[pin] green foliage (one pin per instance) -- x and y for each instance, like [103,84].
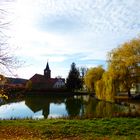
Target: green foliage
[74,81]
[92,76]
[73,106]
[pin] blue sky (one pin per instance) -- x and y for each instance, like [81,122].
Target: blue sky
[66,31]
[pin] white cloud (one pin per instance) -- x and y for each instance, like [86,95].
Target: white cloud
[98,15]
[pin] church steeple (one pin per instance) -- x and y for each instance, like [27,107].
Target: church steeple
[47,71]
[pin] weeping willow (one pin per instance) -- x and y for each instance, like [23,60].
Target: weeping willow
[105,88]
[92,76]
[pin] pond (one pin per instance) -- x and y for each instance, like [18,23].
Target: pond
[85,106]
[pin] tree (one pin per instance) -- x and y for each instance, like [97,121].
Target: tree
[7,60]
[83,71]
[92,76]
[73,81]
[2,91]
[124,64]
[2,80]
[28,85]
[105,88]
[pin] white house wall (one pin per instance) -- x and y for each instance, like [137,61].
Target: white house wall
[59,84]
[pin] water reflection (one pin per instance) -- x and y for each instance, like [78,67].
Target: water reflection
[73,106]
[63,106]
[94,108]
[37,104]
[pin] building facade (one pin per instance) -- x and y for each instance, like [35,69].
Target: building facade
[44,82]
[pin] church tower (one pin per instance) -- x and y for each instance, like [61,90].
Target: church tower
[47,71]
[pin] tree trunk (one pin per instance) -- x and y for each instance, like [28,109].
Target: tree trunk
[129,94]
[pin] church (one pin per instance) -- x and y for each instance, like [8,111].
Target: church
[45,82]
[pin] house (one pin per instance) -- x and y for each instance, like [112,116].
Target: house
[16,82]
[43,82]
[59,83]
[11,84]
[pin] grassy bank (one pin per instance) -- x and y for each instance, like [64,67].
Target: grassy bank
[106,129]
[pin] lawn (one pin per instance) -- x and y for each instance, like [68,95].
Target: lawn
[73,129]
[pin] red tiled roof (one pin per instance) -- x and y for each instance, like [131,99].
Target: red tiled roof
[41,78]
[37,78]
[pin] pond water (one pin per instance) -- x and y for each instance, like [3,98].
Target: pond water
[38,107]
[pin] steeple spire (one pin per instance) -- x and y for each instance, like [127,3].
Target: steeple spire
[47,66]
[47,71]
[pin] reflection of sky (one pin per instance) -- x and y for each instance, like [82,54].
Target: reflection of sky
[20,110]
[57,110]
[17,110]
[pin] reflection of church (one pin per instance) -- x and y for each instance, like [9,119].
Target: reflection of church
[40,103]
[45,81]
[36,105]
[73,105]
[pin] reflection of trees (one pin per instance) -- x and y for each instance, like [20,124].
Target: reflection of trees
[46,111]
[94,108]
[90,108]
[73,106]
[106,109]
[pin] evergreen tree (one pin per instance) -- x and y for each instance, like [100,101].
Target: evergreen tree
[73,81]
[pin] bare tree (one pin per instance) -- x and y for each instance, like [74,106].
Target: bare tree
[7,60]
[83,71]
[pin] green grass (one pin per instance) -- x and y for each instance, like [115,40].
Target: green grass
[107,129]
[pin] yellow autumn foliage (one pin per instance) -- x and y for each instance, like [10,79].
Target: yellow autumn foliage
[105,88]
[29,85]
[122,73]
[2,91]
[93,75]
[124,63]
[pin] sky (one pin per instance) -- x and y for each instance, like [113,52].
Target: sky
[66,31]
